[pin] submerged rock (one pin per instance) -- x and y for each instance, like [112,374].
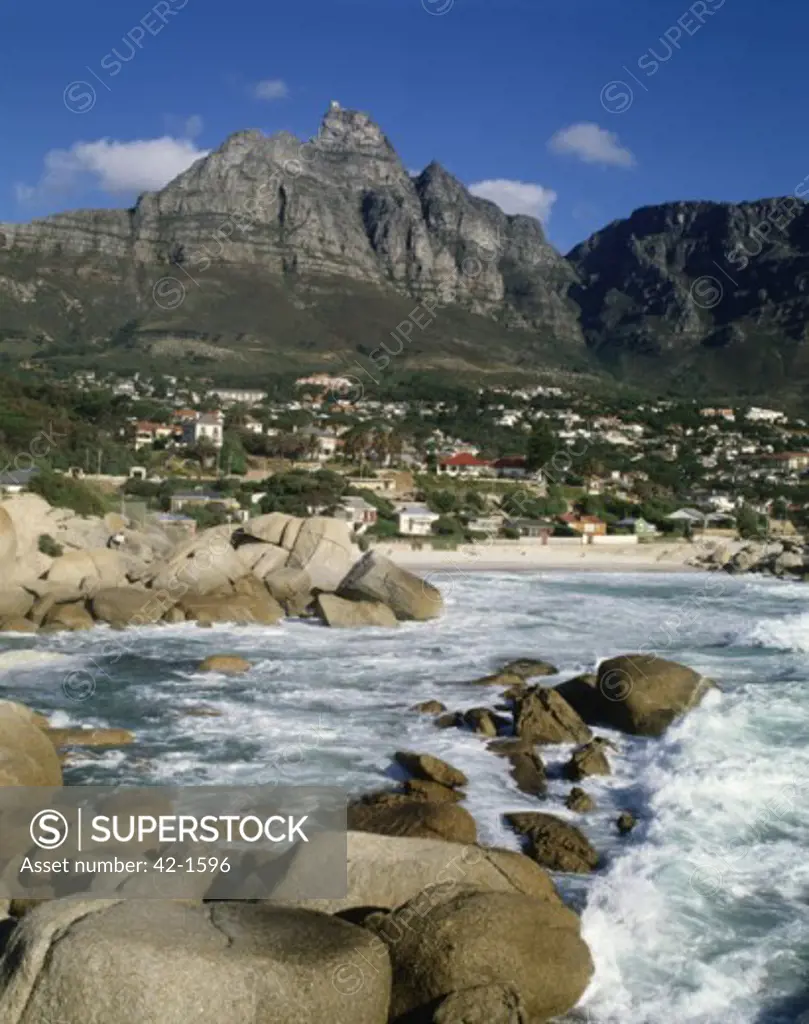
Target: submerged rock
[89,737]
[429,707]
[528,668]
[588,760]
[579,801]
[228,664]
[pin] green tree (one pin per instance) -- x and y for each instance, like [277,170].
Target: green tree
[749,523]
[442,502]
[66,492]
[542,446]
[447,526]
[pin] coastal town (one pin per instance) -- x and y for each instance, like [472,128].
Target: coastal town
[533,463]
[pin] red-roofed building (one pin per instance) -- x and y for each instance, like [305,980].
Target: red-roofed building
[147,433]
[464,464]
[584,524]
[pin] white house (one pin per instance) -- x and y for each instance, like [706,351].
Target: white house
[464,464]
[416,520]
[327,444]
[357,511]
[759,415]
[207,426]
[239,396]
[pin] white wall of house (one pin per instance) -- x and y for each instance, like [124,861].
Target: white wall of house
[416,525]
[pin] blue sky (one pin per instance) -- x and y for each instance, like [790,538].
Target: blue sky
[578,110]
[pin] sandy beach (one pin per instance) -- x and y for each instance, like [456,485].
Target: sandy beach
[528,557]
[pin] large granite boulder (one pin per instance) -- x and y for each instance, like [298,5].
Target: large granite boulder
[337,612]
[8,541]
[15,601]
[542,715]
[376,578]
[553,843]
[482,1004]
[30,516]
[386,871]
[98,567]
[27,756]
[252,606]
[639,694]
[395,814]
[201,565]
[128,606]
[17,624]
[81,961]
[262,559]
[70,615]
[324,548]
[292,588]
[269,528]
[444,942]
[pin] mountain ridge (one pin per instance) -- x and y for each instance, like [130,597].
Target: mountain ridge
[278,250]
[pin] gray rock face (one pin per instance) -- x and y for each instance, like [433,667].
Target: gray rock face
[715,289]
[340,205]
[81,961]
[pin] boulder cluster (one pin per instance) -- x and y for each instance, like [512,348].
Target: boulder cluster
[273,566]
[635,694]
[435,927]
[430,929]
[786,559]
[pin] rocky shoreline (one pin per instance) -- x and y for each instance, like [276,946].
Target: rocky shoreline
[435,927]
[257,573]
[785,559]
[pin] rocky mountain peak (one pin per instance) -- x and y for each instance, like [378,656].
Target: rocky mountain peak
[344,130]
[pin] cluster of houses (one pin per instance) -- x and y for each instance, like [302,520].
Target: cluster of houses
[762,446]
[188,427]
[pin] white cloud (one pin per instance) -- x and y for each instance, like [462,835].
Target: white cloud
[270,89]
[591,144]
[517,196]
[113,167]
